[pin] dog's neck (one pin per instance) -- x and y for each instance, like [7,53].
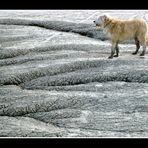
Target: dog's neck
[106,28]
[105,25]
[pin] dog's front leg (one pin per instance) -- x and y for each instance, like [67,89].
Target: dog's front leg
[117,51]
[112,50]
[137,46]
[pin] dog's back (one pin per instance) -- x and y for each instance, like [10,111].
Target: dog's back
[127,29]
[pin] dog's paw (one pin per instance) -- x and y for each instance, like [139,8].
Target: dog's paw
[116,55]
[134,53]
[142,54]
[110,57]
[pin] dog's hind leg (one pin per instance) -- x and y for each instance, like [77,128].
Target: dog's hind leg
[143,42]
[143,52]
[112,50]
[137,45]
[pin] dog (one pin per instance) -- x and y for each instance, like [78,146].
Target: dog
[121,30]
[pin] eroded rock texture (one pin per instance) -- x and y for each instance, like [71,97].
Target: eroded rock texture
[56,79]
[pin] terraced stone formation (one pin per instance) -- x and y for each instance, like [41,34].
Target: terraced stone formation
[56,79]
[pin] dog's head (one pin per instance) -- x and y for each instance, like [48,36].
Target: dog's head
[99,22]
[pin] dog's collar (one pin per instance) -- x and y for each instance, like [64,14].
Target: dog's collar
[107,24]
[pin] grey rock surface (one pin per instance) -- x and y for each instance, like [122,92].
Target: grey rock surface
[56,79]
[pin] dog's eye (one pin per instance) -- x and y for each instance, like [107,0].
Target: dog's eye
[94,21]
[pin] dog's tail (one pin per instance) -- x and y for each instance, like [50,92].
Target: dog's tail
[147,38]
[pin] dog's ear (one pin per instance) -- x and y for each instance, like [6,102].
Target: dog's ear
[104,17]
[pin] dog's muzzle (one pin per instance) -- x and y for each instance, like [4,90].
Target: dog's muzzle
[97,25]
